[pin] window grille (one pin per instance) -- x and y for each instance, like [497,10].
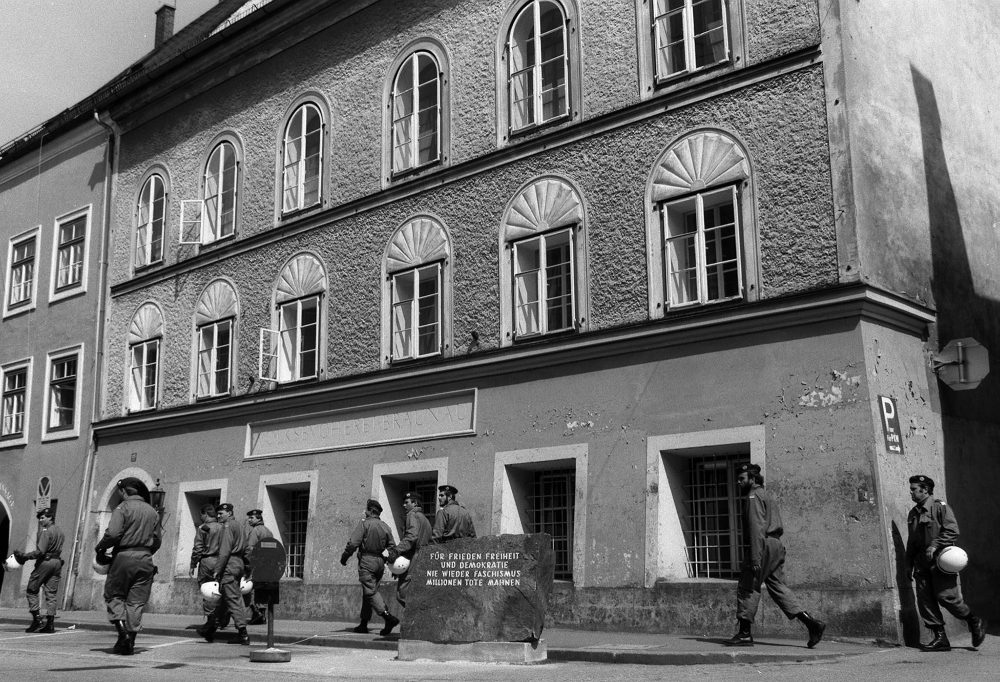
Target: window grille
[428,496]
[552,511]
[297,518]
[714,532]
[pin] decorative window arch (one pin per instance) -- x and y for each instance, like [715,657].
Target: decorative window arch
[544,269]
[215,344]
[145,333]
[700,225]
[417,110]
[538,74]
[150,217]
[293,348]
[417,291]
[215,215]
[302,155]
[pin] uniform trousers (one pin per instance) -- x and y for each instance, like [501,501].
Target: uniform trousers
[772,574]
[936,589]
[206,574]
[127,588]
[370,571]
[232,598]
[403,582]
[46,577]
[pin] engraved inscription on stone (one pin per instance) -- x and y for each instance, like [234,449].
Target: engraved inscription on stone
[437,416]
[474,569]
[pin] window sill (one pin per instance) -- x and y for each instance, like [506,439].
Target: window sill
[64,294]
[65,434]
[12,442]
[400,177]
[537,130]
[18,310]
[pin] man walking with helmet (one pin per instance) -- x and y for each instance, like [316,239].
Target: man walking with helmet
[370,538]
[47,573]
[228,571]
[205,556]
[134,536]
[932,528]
[416,534]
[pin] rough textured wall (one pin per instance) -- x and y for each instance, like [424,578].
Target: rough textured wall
[780,27]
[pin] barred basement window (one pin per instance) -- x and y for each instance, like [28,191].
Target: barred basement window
[427,489]
[552,511]
[714,532]
[296,519]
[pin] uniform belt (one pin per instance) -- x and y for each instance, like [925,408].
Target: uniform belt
[133,547]
[378,554]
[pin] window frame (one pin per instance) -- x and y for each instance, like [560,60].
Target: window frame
[28,302]
[152,177]
[195,224]
[16,368]
[322,111]
[280,361]
[412,63]
[414,312]
[542,280]
[57,292]
[137,403]
[72,430]
[214,358]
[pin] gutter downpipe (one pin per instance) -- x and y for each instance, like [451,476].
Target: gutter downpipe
[110,176]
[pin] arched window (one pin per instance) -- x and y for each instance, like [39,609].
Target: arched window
[543,270]
[416,113]
[292,349]
[417,292]
[144,335]
[700,224]
[537,54]
[213,217]
[150,213]
[215,330]
[302,159]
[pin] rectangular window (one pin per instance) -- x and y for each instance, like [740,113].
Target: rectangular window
[292,352]
[416,313]
[145,368]
[689,35]
[544,284]
[551,508]
[714,532]
[214,358]
[15,390]
[296,525]
[72,238]
[62,393]
[22,273]
[702,248]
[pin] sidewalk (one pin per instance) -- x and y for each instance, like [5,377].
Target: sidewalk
[564,644]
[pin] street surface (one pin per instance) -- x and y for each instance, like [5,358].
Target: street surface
[84,655]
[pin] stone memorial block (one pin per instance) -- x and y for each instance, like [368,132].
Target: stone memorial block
[489,589]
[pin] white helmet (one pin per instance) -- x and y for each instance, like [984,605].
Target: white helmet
[246,585]
[11,564]
[210,590]
[99,568]
[400,566]
[952,559]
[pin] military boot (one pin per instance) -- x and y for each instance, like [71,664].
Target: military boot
[121,646]
[743,637]
[390,622]
[939,642]
[257,616]
[242,637]
[362,628]
[815,627]
[208,629]
[977,628]
[36,623]
[49,624]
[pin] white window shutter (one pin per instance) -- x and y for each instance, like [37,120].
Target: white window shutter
[191,222]
[267,362]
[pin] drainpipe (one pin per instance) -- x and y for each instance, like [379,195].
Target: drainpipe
[82,517]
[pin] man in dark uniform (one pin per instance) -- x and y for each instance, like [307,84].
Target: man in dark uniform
[134,536]
[416,534]
[256,531]
[205,555]
[370,538]
[764,561]
[452,521]
[932,527]
[228,571]
[47,573]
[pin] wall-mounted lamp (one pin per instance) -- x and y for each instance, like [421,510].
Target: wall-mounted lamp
[156,497]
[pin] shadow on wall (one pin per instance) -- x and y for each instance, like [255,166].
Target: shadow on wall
[904,584]
[970,421]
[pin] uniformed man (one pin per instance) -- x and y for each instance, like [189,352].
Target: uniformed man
[932,527]
[134,536]
[764,561]
[371,537]
[416,534]
[47,573]
[256,531]
[205,555]
[452,521]
[228,571]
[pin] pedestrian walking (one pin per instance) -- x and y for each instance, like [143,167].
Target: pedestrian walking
[256,531]
[416,534]
[932,527]
[764,562]
[205,555]
[370,538]
[452,521]
[47,573]
[133,535]
[229,569]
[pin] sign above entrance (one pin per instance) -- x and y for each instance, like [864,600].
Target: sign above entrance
[428,417]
